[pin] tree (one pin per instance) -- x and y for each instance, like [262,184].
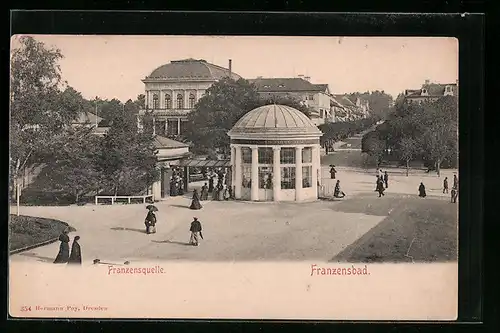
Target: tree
[72,166]
[373,145]
[127,159]
[37,109]
[408,148]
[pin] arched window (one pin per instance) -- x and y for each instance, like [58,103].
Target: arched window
[180,101]
[168,101]
[155,101]
[192,101]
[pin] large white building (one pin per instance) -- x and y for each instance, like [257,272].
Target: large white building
[172,90]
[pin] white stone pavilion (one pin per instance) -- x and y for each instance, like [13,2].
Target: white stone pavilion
[275,155]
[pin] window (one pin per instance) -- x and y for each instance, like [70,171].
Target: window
[287,156]
[266,177]
[307,176]
[172,128]
[168,102]
[180,101]
[287,178]
[265,156]
[321,114]
[160,127]
[192,101]
[246,176]
[311,97]
[307,155]
[183,127]
[246,155]
[155,101]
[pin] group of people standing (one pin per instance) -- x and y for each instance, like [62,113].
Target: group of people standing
[176,184]
[454,189]
[382,182]
[337,192]
[64,256]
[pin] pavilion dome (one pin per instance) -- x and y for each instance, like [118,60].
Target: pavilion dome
[280,120]
[190,69]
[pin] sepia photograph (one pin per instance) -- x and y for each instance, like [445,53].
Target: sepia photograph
[233,177]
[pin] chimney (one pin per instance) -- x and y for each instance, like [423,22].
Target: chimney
[230,68]
[307,78]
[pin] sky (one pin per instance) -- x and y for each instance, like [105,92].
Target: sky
[113,66]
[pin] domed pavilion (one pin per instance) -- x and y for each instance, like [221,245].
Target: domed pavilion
[275,155]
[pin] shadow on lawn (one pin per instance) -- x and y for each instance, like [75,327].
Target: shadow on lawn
[142,231]
[171,242]
[414,230]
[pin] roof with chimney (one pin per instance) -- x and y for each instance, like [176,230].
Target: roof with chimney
[190,69]
[294,84]
[433,90]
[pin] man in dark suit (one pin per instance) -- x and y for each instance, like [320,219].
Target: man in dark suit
[195,232]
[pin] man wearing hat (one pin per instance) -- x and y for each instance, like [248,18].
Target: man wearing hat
[195,232]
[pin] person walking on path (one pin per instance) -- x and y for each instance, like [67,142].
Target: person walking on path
[150,220]
[445,185]
[337,193]
[195,203]
[63,255]
[332,172]
[76,252]
[204,192]
[386,179]
[195,232]
[454,195]
[421,190]
[380,187]
[455,181]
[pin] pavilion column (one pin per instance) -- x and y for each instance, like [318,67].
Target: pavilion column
[178,126]
[276,173]
[237,172]
[318,163]
[166,126]
[232,164]
[255,174]
[298,173]
[154,125]
[315,168]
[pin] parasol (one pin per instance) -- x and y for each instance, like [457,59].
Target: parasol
[152,207]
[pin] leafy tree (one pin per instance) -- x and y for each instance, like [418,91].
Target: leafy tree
[72,167]
[126,159]
[37,109]
[408,148]
[373,145]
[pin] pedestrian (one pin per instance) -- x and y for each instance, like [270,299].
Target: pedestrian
[337,193]
[63,255]
[455,181]
[76,252]
[421,190]
[210,183]
[195,203]
[227,195]
[454,195]
[332,172]
[445,185]
[150,221]
[204,192]
[195,232]
[386,179]
[380,187]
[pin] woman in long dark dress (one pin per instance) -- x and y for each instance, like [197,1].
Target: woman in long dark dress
[380,187]
[150,222]
[76,252]
[210,184]
[195,204]
[421,191]
[63,255]
[337,193]
[204,192]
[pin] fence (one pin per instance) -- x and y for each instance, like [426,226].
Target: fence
[326,190]
[128,197]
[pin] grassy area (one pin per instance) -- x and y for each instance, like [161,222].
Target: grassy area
[416,229]
[27,231]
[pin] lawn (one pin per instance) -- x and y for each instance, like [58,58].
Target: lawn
[415,230]
[26,231]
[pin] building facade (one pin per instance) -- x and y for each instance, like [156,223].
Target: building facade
[172,90]
[275,155]
[315,96]
[431,92]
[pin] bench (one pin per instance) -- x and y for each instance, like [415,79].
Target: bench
[127,197]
